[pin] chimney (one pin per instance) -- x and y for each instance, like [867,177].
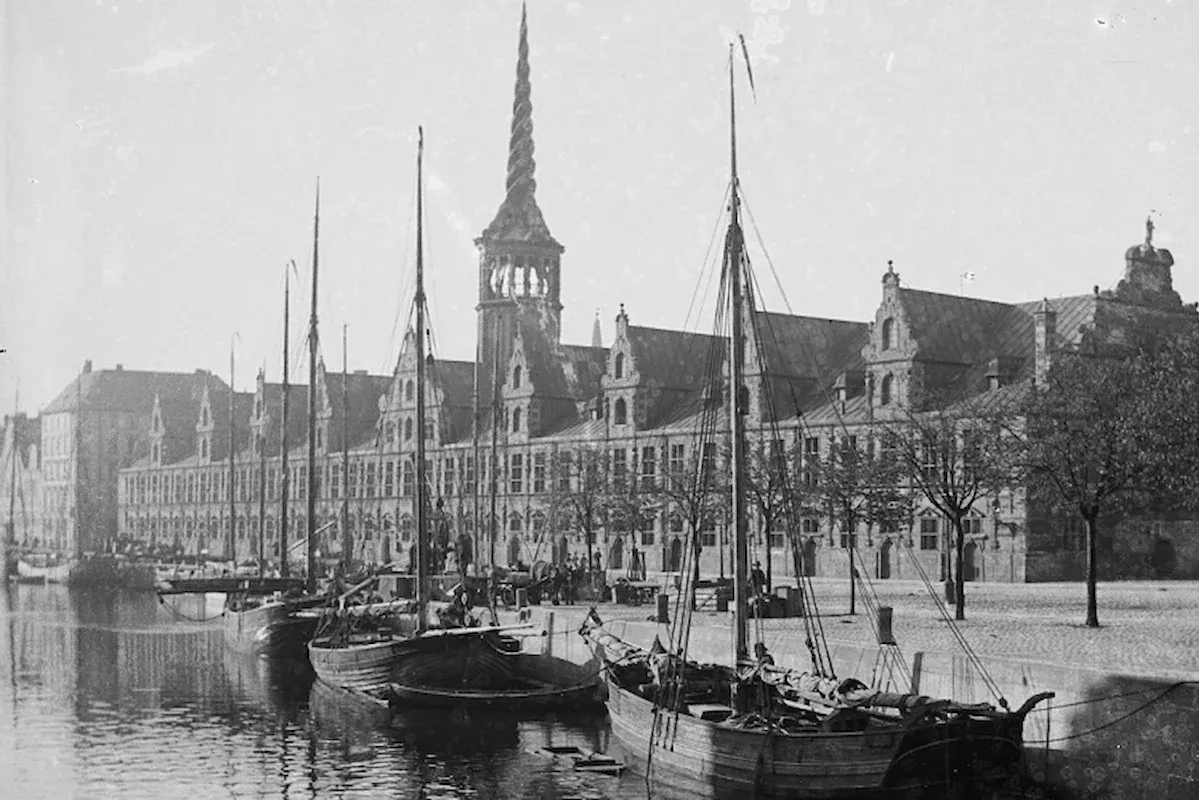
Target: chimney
[87,366]
[120,367]
[1045,326]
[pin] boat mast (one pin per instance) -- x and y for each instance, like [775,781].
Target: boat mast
[12,492]
[313,341]
[422,545]
[493,483]
[232,472]
[284,571]
[262,486]
[347,541]
[737,401]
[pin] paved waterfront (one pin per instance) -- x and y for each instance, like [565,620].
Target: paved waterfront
[1148,628]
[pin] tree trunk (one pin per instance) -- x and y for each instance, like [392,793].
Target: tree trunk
[959,575]
[769,558]
[1092,571]
[853,600]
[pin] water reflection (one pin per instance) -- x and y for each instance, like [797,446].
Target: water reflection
[117,695]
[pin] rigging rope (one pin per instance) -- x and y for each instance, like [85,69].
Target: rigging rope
[954,630]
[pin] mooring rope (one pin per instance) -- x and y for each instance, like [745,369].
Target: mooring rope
[179,615]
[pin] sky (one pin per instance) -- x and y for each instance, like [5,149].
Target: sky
[161,160]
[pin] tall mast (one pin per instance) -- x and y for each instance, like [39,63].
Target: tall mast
[734,256]
[422,523]
[313,341]
[347,541]
[262,485]
[283,462]
[77,457]
[493,484]
[232,472]
[16,455]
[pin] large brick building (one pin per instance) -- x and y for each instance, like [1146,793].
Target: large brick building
[64,498]
[501,432]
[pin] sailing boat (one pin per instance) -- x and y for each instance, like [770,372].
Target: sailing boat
[390,651]
[756,729]
[279,624]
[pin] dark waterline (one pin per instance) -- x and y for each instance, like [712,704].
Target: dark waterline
[115,695]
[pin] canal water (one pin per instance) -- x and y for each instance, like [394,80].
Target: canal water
[118,695]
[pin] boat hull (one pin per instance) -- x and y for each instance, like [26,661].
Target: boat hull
[521,682]
[360,666]
[273,629]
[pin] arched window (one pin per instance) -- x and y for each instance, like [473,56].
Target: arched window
[391,433]
[407,429]
[516,418]
[204,447]
[409,391]
[621,412]
[204,416]
[884,394]
[516,377]
[154,453]
[619,372]
[888,333]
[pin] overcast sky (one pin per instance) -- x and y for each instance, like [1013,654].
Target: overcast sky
[161,161]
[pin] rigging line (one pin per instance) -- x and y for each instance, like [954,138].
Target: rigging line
[769,261]
[708,252]
[955,632]
[1161,696]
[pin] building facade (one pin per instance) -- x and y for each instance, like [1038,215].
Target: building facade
[543,450]
[99,424]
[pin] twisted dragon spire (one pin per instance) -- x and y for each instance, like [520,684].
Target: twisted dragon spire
[521,183]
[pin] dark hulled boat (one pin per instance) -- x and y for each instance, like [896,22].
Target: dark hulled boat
[754,729]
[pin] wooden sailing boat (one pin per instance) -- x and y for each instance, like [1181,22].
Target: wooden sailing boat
[754,729]
[392,650]
[282,623]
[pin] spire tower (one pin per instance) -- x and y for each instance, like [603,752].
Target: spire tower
[519,259]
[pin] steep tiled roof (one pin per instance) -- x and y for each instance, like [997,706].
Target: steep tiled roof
[360,409]
[125,389]
[180,413]
[950,329]
[456,380]
[809,346]
[297,416]
[243,406]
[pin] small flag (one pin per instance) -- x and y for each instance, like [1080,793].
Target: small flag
[748,67]
[967,276]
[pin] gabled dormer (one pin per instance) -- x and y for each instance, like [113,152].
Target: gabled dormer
[260,417]
[520,417]
[324,409]
[890,353]
[205,427]
[624,407]
[157,433]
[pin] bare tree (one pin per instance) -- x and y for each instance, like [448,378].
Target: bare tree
[769,480]
[954,457]
[856,484]
[631,502]
[1115,429]
[696,488]
[581,492]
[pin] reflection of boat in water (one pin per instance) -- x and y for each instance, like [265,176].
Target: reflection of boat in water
[42,568]
[279,684]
